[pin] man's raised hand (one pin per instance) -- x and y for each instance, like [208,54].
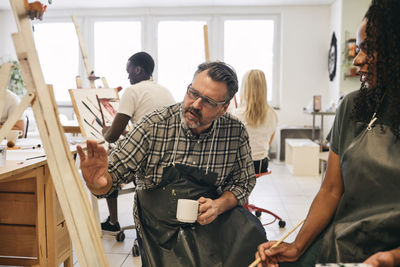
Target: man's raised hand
[94,167]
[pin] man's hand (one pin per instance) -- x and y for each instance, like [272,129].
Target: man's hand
[208,211]
[271,256]
[382,259]
[94,168]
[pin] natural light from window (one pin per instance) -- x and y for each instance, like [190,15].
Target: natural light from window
[249,44]
[115,42]
[58,50]
[180,51]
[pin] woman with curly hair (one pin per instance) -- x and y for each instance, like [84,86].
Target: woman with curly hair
[355,217]
[259,118]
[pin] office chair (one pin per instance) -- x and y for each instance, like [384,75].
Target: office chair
[258,211]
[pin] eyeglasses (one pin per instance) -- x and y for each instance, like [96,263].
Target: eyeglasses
[207,102]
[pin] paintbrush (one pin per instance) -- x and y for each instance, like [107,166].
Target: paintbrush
[91,126]
[37,157]
[257,261]
[97,118]
[101,110]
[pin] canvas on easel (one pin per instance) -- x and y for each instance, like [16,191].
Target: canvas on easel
[94,109]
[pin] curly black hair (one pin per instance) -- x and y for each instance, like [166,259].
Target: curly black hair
[382,37]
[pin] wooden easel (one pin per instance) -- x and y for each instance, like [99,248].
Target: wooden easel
[206,47]
[67,182]
[5,73]
[89,70]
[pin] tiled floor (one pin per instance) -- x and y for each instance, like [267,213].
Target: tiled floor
[284,194]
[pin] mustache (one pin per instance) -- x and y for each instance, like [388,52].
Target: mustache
[194,111]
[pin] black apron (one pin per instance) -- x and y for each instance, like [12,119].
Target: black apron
[367,219]
[230,240]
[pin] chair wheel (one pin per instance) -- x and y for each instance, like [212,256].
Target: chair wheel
[282,224]
[120,237]
[135,250]
[258,214]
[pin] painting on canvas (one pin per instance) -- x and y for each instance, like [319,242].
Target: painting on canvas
[94,109]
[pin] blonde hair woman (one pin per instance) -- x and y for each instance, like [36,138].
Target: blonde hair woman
[259,118]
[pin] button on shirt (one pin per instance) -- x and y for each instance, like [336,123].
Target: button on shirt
[149,147]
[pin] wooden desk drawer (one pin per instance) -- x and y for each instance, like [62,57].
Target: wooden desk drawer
[25,185]
[20,240]
[18,208]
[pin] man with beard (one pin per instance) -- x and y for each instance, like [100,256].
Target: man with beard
[191,150]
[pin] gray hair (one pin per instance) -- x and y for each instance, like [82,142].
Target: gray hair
[221,72]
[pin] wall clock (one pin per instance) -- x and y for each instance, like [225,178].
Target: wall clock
[332,58]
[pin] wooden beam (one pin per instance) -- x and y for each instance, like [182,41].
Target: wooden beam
[89,70]
[67,182]
[206,47]
[5,73]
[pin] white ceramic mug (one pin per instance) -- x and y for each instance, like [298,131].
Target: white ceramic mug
[12,137]
[187,210]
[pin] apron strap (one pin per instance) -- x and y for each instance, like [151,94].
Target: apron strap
[211,147]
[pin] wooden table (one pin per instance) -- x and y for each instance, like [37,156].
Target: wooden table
[71,127]
[33,231]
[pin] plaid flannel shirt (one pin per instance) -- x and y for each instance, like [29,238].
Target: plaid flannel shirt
[149,147]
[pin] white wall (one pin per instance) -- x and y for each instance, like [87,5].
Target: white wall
[353,12]
[7,27]
[336,26]
[305,38]
[346,16]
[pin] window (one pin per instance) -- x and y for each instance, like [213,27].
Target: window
[58,50]
[114,43]
[180,51]
[174,38]
[249,44]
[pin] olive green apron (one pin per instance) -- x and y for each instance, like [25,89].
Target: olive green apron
[230,240]
[367,219]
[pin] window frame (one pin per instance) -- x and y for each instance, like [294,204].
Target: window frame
[162,18]
[63,19]
[149,17]
[92,22]
[276,51]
